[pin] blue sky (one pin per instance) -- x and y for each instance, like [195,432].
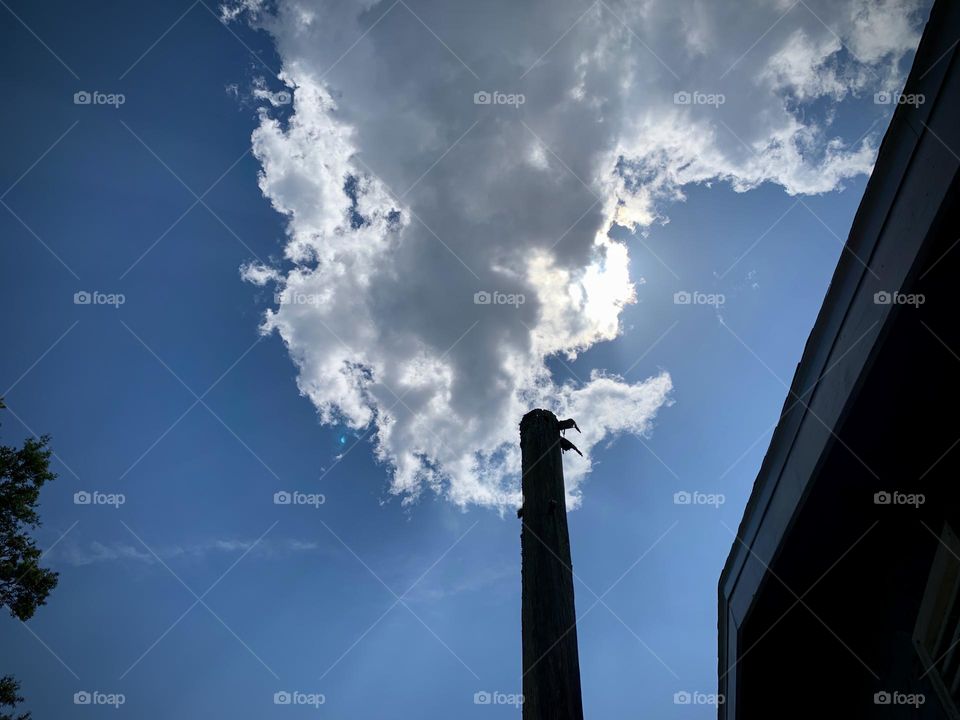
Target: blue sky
[201,596]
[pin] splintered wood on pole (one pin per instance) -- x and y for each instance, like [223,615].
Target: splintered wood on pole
[551,664]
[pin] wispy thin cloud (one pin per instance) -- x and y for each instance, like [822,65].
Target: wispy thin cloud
[79,554]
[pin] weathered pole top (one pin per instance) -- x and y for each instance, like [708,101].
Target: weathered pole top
[552,426]
[538,415]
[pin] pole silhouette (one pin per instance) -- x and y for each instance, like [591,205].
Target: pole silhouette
[551,663]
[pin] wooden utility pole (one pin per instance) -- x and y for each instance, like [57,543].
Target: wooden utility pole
[551,664]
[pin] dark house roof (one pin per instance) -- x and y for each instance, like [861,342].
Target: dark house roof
[913,180]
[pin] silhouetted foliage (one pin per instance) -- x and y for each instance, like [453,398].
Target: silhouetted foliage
[9,698]
[24,585]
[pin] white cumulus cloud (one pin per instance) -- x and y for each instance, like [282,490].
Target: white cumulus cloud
[452,176]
